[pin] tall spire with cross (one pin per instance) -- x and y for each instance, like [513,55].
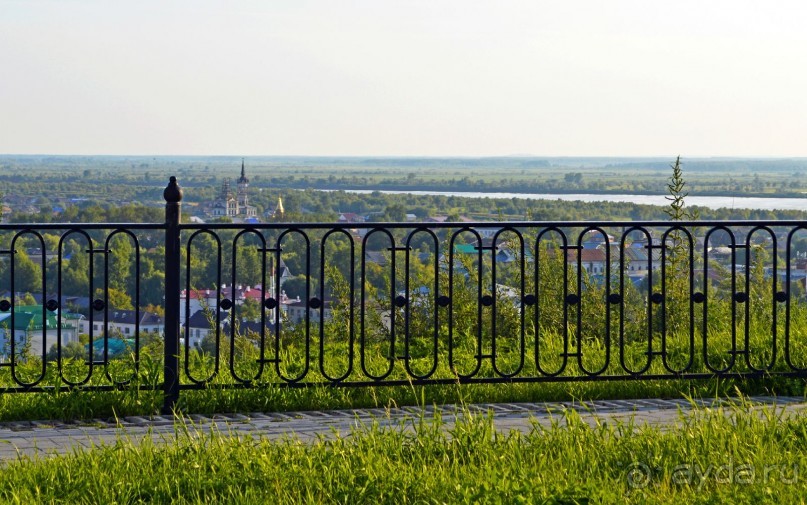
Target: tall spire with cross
[243,178]
[243,183]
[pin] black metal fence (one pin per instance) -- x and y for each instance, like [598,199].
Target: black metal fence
[355,304]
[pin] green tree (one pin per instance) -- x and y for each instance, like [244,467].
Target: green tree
[117,299]
[678,268]
[295,286]
[121,261]
[27,274]
[75,271]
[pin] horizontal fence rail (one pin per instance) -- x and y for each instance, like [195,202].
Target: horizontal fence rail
[357,304]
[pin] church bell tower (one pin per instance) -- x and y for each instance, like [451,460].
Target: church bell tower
[243,184]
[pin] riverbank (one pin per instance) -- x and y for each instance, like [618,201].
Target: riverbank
[710,202]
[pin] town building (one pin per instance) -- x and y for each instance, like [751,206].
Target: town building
[36,329]
[125,323]
[201,324]
[235,207]
[278,213]
[297,311]
[190,302]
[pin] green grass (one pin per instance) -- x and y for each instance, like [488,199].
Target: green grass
[84,404]
[69,404]
[710,457]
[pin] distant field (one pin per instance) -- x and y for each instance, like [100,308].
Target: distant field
[738,177]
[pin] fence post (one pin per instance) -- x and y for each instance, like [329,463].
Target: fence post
[173,197]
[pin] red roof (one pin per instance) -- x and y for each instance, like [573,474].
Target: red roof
[198,294]
[586,255]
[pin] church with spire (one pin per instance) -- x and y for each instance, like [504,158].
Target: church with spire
[237,206]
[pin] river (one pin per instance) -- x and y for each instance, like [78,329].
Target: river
[711,202]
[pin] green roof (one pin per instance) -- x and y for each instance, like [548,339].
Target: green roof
[466,249]
[29,318]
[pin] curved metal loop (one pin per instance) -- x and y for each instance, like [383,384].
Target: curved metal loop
[235,324]
[417,304]
[732,352]
[557,252]
[578,298]
[351,309]
[91,330]
[788,307]
[363,338]
[669,302]
[278,359]
[497,298]
[624,269]
[15,355]
[756,304]
[136,364]
[190,292]
[452,271]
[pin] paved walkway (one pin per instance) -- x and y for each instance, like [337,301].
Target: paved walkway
[47,438]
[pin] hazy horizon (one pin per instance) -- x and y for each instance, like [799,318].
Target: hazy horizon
[656,158]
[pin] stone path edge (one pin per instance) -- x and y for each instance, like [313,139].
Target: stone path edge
[46,438]
[497,409]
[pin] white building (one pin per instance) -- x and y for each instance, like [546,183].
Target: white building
[124,323]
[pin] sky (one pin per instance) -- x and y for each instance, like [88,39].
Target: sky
[404,78]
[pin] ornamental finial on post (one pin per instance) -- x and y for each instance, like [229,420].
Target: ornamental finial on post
[172,192]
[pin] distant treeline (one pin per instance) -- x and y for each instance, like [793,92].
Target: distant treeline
[126,188]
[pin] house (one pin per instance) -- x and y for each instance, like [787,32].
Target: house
[503,253]
[200,326]
[297,310]
[349,217]
[195,300]
[202,299]
[249,327]
[594,240]
[592,261]
[637,260]
[73,303]
[378,257]
[34,326]
[124,322]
